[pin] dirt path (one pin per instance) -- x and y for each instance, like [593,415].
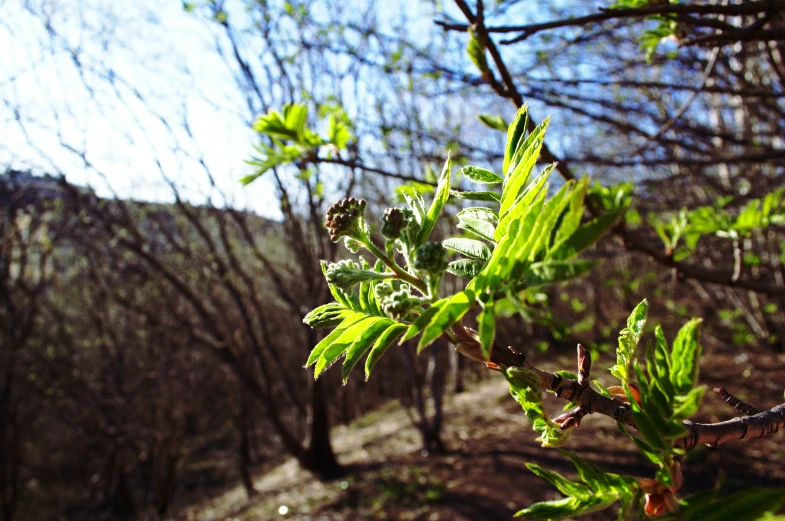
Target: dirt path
[483,476]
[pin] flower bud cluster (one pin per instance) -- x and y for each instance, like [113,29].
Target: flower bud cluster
[346,219]
[399,303]
[344,274]
[430,257]
[395,221]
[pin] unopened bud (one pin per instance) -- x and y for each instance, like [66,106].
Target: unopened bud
[345,219]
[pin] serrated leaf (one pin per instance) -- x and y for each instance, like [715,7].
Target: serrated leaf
[466,268]
[534,249]
[449,313]
[479,227]
[514,133]
[469,247]
[317,351]
[486,321]
[521,167]
[650,433]
[585,236]
[687,405]
[422,321]
[362,344]
[551,510]
[597,479]
[523,205]
[475,196]
[685,355]
[385,340]
[339,346]
[747,505]
[415,205]
[571,218]
[481,175]
[526,388]
[550,272]
[628,341]
[662,362]
[366,297]
[439,199]
[564,485]
[502,261]
[328,315]
[480,212]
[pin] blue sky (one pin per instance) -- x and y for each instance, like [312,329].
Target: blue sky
[52,111]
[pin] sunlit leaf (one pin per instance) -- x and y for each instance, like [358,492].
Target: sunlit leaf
[475,196]
[440,198]
[481,175]
[449,313]
[466,268]
[362,344]
[383,342]
[494,122]
[469,247]
[685,355]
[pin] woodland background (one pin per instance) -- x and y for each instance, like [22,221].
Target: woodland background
[151,343]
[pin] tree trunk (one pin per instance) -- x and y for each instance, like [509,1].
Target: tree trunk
[319,457]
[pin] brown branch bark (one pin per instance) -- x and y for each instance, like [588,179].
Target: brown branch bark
[745,8]
[589,401]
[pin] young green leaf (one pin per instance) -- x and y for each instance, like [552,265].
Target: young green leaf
[487,325]
[565,486]
[584,236]
[449,313]
[362,344]
[475,196]
[383,342]
[339,346]
[522,206]
[526,388]
[748,505]
[550,272]
[481,175]
[442,194]
[466,268]
[494,122]
[685,355]
[480,212]
[522,166]
[470,247]
[317,351]
[328,315]
[556,510]
[423,320]
[476,52]
[628,341]
[514,133]
[479,227]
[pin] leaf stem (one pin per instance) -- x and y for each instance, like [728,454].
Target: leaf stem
[403,275]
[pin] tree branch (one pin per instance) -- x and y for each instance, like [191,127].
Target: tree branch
[528,30]
[589,401]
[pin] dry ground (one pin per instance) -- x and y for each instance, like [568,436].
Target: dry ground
[483,475]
